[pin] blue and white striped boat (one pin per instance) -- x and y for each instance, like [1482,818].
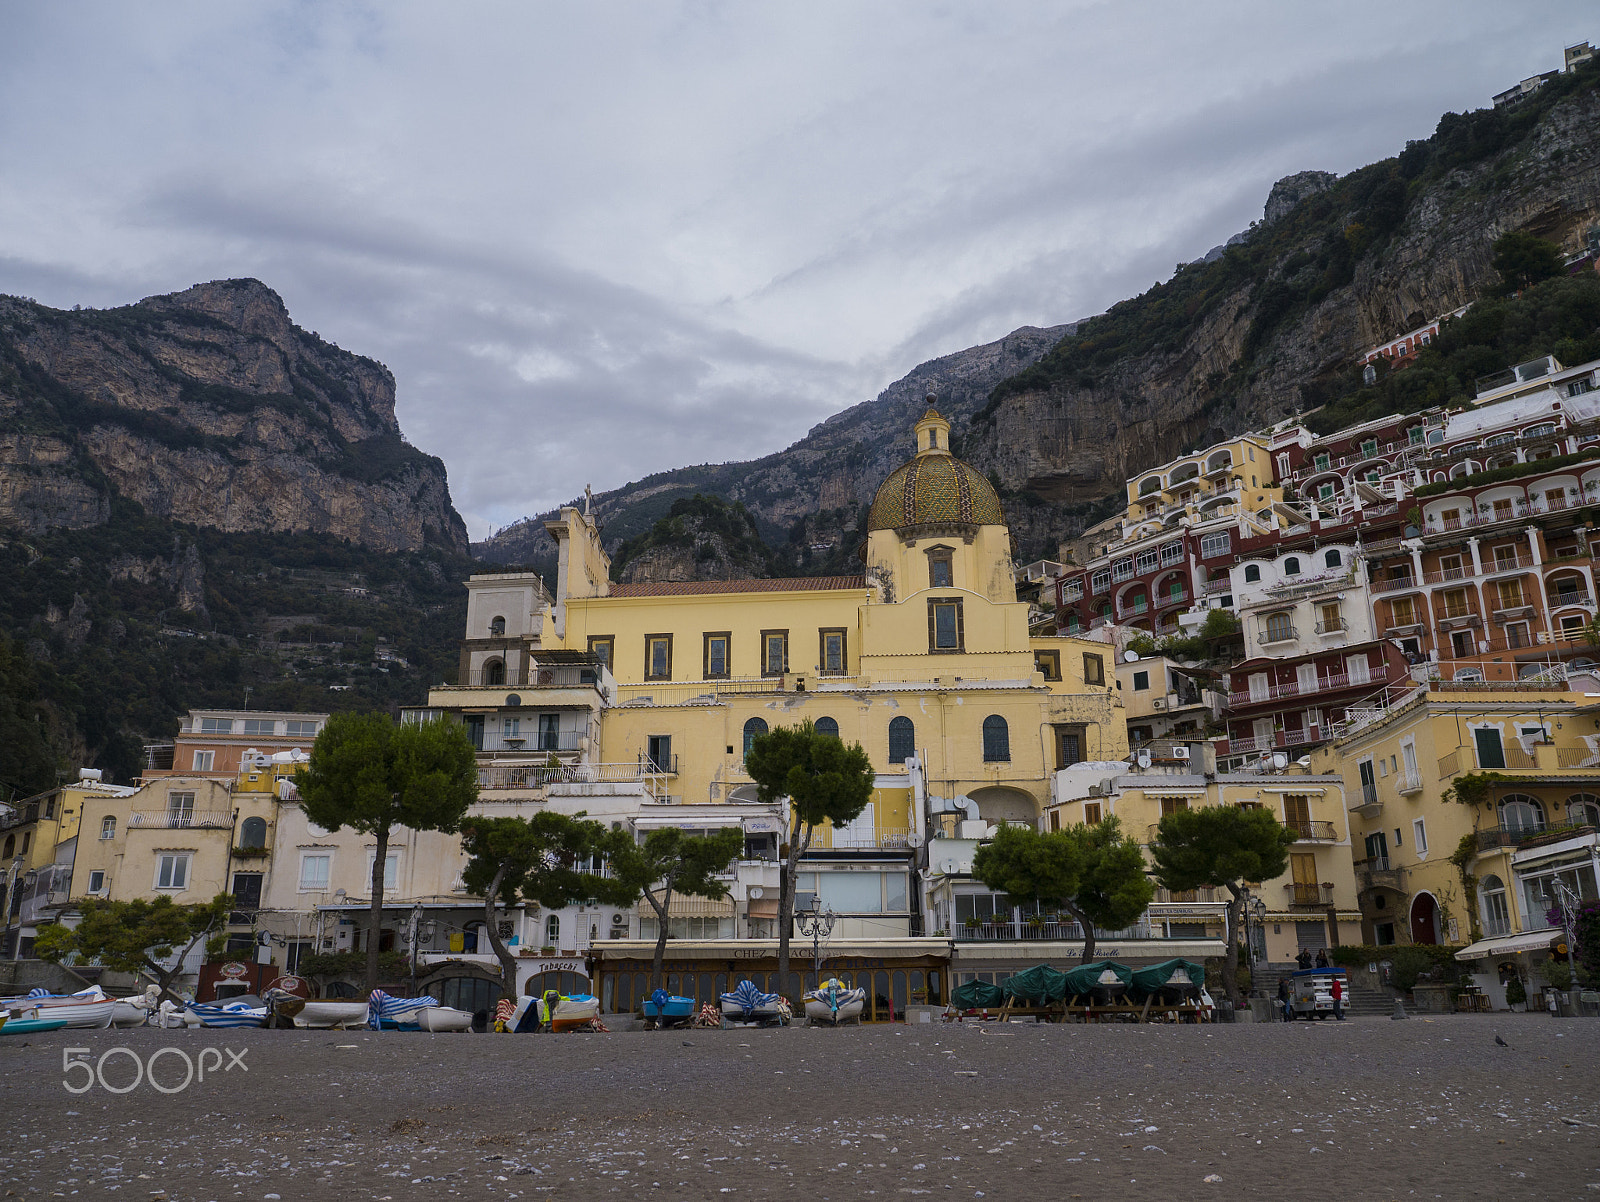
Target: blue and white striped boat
[747,1004]
[385,1012]
[244,1011]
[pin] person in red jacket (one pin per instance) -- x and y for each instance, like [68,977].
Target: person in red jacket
[1338,998]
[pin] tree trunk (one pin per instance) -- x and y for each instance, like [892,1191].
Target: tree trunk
[791,866]
[508,962]
[1088,929]
[1230,959]
[164,976]
[375,920]
[662,906]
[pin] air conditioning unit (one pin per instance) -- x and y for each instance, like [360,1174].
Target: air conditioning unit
[1180,752]
[1159,703]
[619,920]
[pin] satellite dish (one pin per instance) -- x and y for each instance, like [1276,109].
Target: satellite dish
[1279,760]
[1130,657]
[1144,759]
[755,892]
[913,840]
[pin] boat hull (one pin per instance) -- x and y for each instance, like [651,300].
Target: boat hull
[848,1012]
[77,1016]
[572,1013]
[673,1010]
[326,1015]
[126,1014]
[444,1018]
[31,1026]
[216,1016]
[736,1013]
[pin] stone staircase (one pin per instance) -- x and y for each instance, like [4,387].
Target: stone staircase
[1363,1000]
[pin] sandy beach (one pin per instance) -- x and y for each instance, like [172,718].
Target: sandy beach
[1361,1109]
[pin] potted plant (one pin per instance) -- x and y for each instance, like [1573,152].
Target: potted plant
[1516,994]
[548,949]
[972,924]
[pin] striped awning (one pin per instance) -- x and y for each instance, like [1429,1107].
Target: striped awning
[691,907]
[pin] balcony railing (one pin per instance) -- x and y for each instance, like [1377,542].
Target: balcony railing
[1558,600]
[1307,895]
[658,765]
[1508,563]
[1375,872]
[1008,931]
[1392,584]
[1189,897]
[174,820]
[1510,836]
[1217,586]
[522,776]
[1577,757]
[1337,626]
[1281,634]
[1313,831]
[561,676]
[889,838]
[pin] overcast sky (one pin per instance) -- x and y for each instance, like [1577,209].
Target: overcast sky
[598,240]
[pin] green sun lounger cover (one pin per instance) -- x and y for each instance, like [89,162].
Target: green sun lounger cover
[977,995]
[1152,977]
[1104,974]
[1039,985]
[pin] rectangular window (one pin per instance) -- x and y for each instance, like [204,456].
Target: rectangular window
[1141,681]
[1048,663]
[97,880]
[717,660]
[1094,669]
[1321,462]
[180,809]
[940,574]
[549,732]
[1093,812]
[603,648]
[1510,593]
[1456,604]
[658,753]
[1279,629]
[1369,782]
[301,730]
[1331,621]
[172,871]
[1369,448]
[1297,813]
[1419,836]
[1216,544]
[1325,492]
[203,760]
[216,726]
[314,873]
[260,726]
[511,728]
[247,890]
[946,629]
[1502,510]
[774,652]
[1404,611]
[658,657]
[391,869]
[832,661]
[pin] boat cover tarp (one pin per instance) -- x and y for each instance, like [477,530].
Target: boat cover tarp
[1086,977]
[748,998]
[1039,985]
[385,1008]
[977,995]
[1153,977]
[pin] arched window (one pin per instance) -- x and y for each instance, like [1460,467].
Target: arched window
[494,673]
[827,726]
[1332,559]
[497,627]
[253,832]
[1492,904]
[1583,808]
[902,739]
[1149,485]
[996,740]
[108,827]
[552,930]
[752,728]
[1252,573]
[1291,566]
[1519,812]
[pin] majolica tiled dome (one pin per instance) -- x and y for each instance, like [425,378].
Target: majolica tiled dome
[934,487]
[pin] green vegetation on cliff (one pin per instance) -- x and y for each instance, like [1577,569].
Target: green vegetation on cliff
[718,534]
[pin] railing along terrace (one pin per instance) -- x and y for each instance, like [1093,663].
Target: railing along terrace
[527,776]
[1510,836]
[559,676]
[181,819]
[1313,831]
[1307,895]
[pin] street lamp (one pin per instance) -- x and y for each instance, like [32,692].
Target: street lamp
[1252,907]
[818,924]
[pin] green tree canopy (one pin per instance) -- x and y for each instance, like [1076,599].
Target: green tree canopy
[1523,259]
[824,780]
[370,775]
[1221,847]
[1094,872]
[139,936]
[539,859]
[670,861]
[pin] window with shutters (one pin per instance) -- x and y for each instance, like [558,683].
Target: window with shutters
[996,740]
[902,739]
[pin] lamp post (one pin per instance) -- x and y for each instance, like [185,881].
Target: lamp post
[1568,901]
[1252,908]
[818,924]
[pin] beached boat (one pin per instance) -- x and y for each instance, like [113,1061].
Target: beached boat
[89,1010]
[834,1003]
[246,1010]
[1099,981]
[126,1014]
[387,1013]
[1169,982]
[747,1004]
[28,1025]
[559,1012]
[332,1012]
[444,1018]
[668,1010]
[1036,988]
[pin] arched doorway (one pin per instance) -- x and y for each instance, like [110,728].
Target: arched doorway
[999,803]
[1424,919]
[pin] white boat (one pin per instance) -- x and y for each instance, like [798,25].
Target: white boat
[444,1018]
[332,1012]
[127,1014]
[835,1003]
[246,1010]
[90,1010]
[747,1004]
[567,1013]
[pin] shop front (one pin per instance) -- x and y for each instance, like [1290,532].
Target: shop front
[896,973]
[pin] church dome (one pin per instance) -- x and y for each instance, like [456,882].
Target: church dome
[935,487]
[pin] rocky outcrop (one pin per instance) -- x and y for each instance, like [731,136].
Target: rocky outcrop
[701,538]
[210,407]
[1292,189]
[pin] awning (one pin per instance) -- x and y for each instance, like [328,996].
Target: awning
[1506,945]
[696,822]
[763,826]
[762,907]
[682,906]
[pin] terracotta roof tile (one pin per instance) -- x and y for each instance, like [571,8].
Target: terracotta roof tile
[689,588]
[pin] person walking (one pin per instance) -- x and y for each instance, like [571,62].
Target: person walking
[1284,995]
[1338,998]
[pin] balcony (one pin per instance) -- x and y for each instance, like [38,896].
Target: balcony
[1313,831]
[1394,584]
[537,676]
[1137,609]
[1299,895]
[1281,634]
[1558,600]
[1206,896]
[1408,783]
[1447,576]
[1212,587]
[658,765]
[1512,836]
[1337,626]
[1577,757]
[492,776]
[885,838]
[181,820]
[1018,931]
[1508,563]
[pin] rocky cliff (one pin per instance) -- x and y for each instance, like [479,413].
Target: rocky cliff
[701,538]
[831,472]
[1272,327]
[209,407]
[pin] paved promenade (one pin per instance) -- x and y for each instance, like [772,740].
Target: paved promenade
[1362,1109]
